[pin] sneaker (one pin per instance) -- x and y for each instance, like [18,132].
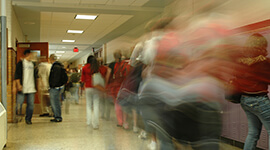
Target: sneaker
[143,135]
[43,115]
[28,122]
[152,145]
[56,120]
[118,125]
[125,126]
[135,129]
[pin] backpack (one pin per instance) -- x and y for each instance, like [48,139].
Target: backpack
[64,77]
[75,77]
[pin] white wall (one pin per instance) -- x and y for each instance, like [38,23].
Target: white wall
[82,60]
[14,29]
[123,43]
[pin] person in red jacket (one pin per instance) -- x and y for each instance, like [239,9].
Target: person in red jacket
[119,70]
[93,92]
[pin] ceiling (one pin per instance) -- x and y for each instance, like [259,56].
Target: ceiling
[49,20]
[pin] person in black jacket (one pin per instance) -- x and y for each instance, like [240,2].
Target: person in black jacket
[25,82]
[57,79]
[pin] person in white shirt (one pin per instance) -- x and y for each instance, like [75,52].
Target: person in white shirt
[44,73]
[25,78]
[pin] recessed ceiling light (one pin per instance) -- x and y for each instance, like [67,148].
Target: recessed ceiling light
[68,41]
[88,17]
[60,52]
[75,31]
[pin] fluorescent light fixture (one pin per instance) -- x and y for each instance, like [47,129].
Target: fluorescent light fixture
[58,55]
[60,52]
[63,47]
[68,41]
[88,17]
[75,31]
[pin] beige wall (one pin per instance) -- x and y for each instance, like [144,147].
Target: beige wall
[82,60]
[241,13]
[122,43]
[14,29]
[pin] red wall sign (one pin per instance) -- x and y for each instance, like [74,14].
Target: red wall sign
[75,49]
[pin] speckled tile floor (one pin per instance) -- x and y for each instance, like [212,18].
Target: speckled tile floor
[74,134]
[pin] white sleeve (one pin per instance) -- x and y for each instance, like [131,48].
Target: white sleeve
[150,50]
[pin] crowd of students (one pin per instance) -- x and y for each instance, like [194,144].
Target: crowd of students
[173,86]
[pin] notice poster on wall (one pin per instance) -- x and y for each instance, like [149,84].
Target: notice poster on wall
[35,55]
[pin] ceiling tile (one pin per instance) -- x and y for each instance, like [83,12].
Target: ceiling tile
[46,1]
[120,2]
[80,24]
[66,17]
[67,1]
[45,16]
[139,2]
[93,1]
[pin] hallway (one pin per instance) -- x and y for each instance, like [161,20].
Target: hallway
[72,133]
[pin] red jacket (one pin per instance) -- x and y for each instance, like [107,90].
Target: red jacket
[87,74]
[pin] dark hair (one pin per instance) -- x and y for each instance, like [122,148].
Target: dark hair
[27,51]
[94,64]
[89,59]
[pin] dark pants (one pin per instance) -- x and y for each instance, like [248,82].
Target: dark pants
[196,123]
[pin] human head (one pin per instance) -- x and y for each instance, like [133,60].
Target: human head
[53,58]
[27,54]
[257,44]
[90,59]
[94,63]
[117,55]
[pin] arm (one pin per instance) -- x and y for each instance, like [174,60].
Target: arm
[18,76]
[100,88]
[107,77]
[83,76]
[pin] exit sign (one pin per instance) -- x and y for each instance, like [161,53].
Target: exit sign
[75,49]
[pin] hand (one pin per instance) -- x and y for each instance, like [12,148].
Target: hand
[20,88]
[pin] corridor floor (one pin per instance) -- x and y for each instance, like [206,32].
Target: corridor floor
[74,134]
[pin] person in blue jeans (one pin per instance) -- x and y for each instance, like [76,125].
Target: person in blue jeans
[57,79]
[257,110]
[253,85]
[26,74]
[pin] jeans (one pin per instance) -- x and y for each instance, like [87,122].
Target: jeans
[30,104]
[56,103]
[257,109]
[75,91]
[92,101]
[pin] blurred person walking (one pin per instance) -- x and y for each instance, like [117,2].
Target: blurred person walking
[57,79]
[44,69]
[118,74]
[74,90]
[26,75]
[93,76]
